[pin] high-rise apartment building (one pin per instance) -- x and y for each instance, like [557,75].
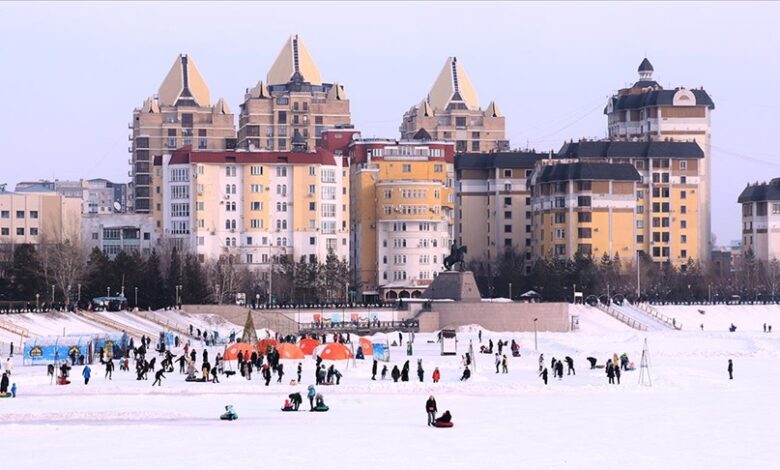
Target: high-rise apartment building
[180,114]
[646,111]
[493,203]
[402,206]
[292,106]
[585,208]
[451,111]
[253,206]
[761,219]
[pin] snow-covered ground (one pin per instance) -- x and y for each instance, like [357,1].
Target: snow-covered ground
[691,417]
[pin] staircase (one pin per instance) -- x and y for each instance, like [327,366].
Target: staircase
[649,310]
[637,325]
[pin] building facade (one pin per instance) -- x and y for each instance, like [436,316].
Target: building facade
[293,101]
[402,214]
[761,219]
[666,199]
[39,217]
[452,112]
[493,203]
[180,114]
[647,111]
[116,233]
[96,196]
[253,206]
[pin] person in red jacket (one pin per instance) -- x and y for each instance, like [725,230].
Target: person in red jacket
[430,408]
[436,375]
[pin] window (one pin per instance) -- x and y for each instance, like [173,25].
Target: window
[256,223]
[437,168]
[583,217]
[312,240]
[507,201]
[256,205]
[281,207]
[406,168]
[20,231]
[388,193]
[33,231]
[328,226]
[640,238]
[507,186]
[281,224]
[312,206]
[583,232]
[683,224]
[583,186]
[328,175]
[640,194]
[5,214]
[640,209]
[559,218]
[507,214]
[281,189]
[507,229]
[583,201]
[328,192]
[560,234]
[560,250]
[640,223]
[20,214]
[33,214]
[560,202]
[180,192]
[180,210]
[683,164]
[281,171]
[507,173]
[683,253]
[684,210]
[256,188]
[585,248]
[683,179]
[683,238]
[328,210]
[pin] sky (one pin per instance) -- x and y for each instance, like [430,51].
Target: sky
[72,73]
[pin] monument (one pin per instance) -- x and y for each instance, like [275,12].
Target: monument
[458,285]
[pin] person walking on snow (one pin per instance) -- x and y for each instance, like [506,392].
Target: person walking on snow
[310,395]
[384,371]
[559,369]
[731,370]
[541,362]
[373,370]
[420,371]
[505,365]
[4,384]
[86,373]
[436,375]
[280,371]
[610,372]
[109,369]
[395,374]
[9,366]
[430,408]
[300,370]
[569,366]
[543,375]
[498,362]
[158,376]
[617,375]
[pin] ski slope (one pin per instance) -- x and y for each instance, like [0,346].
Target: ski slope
[691,417]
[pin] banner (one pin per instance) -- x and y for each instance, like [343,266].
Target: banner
[381,352]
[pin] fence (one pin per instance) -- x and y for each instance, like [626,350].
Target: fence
[621,317]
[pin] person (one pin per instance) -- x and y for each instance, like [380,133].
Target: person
[4,384]
[445,418]
[329,376]
[490,346]
[543,375]
[9,366]
[229,414]
[624,361]
[373,370]
[158,376]
[400,338]
[336,374]
[733,328]
[764,327]
[13,390]
[110,369]
[500,347]
[541,362]
[515,349]
[295,400]
[702,327]
[505,365]
[610,372]
[182,360]
[267,374]
[480,335]
[214,377]
[319,401]
[466,374]
[436,375]
[420,371]
[384,371]
[430,408]
[731,370]
[396,374]
[498,362]
[592,361]
[405,372]
[312,392]
[559,369]
[86,373]
[280,371]
[569,366]
[617,374]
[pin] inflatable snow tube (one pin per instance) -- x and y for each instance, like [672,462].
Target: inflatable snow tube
[289,409]
[439,424]
[201,379]
[5,395]
[321,408]
[229,417]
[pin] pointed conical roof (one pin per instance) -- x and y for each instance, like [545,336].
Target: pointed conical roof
[294,57]
[250,333]
[493,111]
[258,91]
[222,107]
[426,109]
[337,92]
[453,84]
[645,66]
[150,106]
[184,82]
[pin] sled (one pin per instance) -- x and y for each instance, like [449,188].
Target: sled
[200,379]
[5,395]
[321,408]
[290,409]
[439,424]
[63,381]
[229,417]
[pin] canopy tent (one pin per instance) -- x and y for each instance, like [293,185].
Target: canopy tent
[368,348]
[45,350]
[308,345]
[334,352]
[111,345]
[265,344]
[289,351]
[531,295]
[246,350]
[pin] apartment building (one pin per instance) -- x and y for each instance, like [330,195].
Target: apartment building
[292,103]
[97,196]
[253,206]
[493,203]
[761,219]
[180,114]
[402,214]
[116,233]
[646,111]
[452,112]
[38,217]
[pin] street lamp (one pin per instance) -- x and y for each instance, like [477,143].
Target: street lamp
[108,291]
[52,293]
[178,295]
[536,346]
[510,291]
[78,299]
[37,301]
[136,297]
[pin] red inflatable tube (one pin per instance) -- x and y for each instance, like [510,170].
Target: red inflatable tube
[443,425]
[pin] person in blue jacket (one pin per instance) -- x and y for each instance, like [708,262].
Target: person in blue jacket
[310,395]
[13,390]
[87,373]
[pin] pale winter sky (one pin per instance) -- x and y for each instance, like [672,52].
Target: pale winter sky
[71,74]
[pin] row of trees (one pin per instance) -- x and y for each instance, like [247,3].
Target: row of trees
[557,279]
[66,274]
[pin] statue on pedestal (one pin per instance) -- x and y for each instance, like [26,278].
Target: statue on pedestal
[455,257]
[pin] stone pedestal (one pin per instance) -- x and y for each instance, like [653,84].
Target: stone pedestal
[455,285]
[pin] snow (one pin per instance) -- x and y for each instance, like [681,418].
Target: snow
[691,417]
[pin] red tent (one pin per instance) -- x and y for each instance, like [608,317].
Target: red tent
[231,353]
[368,348]
[308,345]
[335,352]
[264,344]
[289,351]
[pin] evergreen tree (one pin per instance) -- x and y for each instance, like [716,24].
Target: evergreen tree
[152,293]
[26,274]
[195,290]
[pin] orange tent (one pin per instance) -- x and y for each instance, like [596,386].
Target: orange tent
[263,344]
[307,345]
[368,348]
[289,351]
[335,352]
[231,353]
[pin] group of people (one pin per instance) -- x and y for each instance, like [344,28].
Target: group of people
[5,380]
[557,368]
[431,409]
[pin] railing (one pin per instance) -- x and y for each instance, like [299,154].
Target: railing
[646,308]
[6,325]
[111,323]
[164,322]
[621,317]
[402,325]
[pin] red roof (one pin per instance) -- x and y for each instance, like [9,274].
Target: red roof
[187,155]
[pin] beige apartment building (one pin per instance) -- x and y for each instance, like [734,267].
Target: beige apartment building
[253,206]
[493,203]
[646,111]
[38,217]
[761,219]
[292,103]
[452,112]
[180,114]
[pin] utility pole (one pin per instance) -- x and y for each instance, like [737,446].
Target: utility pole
[536,346]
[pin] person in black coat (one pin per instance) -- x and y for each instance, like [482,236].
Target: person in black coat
[373,370]
[611,372]
[731,370]
[420,371]
[617,374]
[559,369]
[158,377]
[300,370]
[193,356]
[280,371]
[405,372]
[430,408]
[267,374]
[445,418]
[569,366]
[543,375]
[4,383]
[205,355]
[466,374]
[395,374]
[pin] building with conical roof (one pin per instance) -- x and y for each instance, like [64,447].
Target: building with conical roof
[293,100]
[451,111]
[180,114]
[646,111]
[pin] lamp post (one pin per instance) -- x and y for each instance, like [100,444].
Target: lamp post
[510,291]
[37,301]
[536,346]
[178,295]
[52,294]
[108,291]
[67,297]
[136,297]
[78,298]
